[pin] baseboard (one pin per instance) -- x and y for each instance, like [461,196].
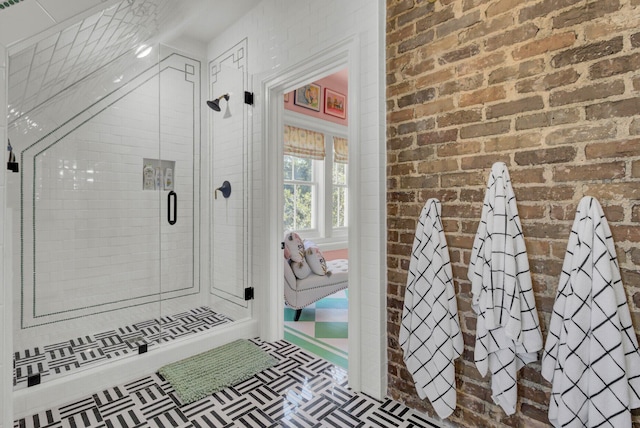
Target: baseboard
[329,353]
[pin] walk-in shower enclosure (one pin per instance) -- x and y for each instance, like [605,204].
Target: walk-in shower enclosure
[119,244]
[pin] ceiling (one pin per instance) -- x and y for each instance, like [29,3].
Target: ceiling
[28,18]
[43,69]
[201,20]
[212,17]
[68,40]
[69,43]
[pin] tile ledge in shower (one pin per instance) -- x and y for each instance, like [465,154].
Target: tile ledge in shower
[41,364]
[67,388]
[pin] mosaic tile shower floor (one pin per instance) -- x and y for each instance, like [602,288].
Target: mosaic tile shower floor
[58,359]
[300,391]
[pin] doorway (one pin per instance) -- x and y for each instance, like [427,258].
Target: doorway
[344,54]
[316,194]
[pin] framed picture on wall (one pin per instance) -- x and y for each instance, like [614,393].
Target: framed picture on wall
[335,103]
[308,96]
[286,97]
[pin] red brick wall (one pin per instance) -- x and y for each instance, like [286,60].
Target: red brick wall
[550,87]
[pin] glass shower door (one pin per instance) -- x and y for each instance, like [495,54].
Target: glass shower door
[86,227]
[183,297]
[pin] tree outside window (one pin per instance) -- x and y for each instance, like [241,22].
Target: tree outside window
[298,193]
[339,206]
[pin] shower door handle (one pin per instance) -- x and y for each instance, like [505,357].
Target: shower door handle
[172,195]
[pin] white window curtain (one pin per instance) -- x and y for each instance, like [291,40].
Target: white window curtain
[303,143]
[340,150]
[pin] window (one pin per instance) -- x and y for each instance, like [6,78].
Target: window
[339,182]
[299,190]
[339,201]
[315,182]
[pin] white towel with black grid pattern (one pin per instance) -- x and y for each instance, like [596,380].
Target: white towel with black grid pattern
[508,332]
[430,334]
[591,354]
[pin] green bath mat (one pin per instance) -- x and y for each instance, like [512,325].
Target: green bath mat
[201,375]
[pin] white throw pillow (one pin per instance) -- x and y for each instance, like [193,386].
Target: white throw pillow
[301,269]
[293,243]
[289,276]
[316,261]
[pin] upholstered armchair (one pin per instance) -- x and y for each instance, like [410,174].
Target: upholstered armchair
[299,293]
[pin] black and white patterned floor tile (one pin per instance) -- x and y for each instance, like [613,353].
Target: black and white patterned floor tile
[300,391]
[58,359]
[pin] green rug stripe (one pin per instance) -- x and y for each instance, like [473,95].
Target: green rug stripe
[308,343]
[319,351]
[332,303]
[203,374]
[331,330]
[313,339]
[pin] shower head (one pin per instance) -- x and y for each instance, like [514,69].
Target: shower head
[215,104]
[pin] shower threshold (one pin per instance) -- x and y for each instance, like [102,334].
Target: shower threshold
[52,361]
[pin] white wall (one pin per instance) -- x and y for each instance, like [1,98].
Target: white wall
[282,33]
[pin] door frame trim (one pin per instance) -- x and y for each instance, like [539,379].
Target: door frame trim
[271,303]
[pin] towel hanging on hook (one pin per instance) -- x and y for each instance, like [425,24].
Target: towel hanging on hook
[508,332]
[591,356]
[430,334]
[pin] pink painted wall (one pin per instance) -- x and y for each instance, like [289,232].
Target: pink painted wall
[336,82]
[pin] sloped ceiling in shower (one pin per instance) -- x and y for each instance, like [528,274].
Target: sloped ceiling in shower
[20,20]
[54,63]
[46,68]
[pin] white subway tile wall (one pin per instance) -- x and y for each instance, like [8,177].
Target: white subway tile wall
[104,252]
[281,33]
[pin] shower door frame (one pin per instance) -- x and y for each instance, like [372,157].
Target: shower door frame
[150,303]
[234,59]
[6,301]
[155,72]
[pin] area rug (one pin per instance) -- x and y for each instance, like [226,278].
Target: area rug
[322,328]
[201,375]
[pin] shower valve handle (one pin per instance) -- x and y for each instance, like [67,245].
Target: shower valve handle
[225,189]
